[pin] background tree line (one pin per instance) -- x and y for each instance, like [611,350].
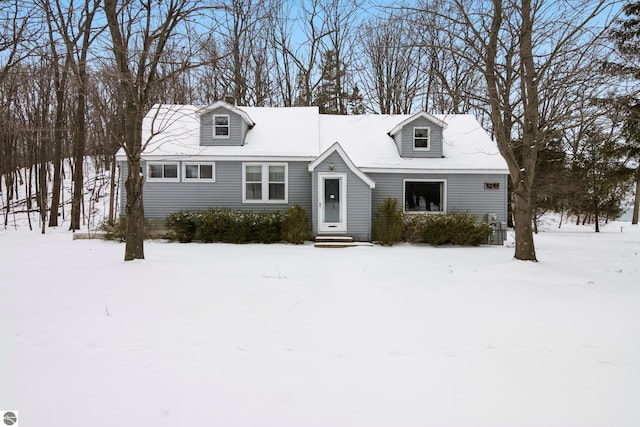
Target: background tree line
[556,82]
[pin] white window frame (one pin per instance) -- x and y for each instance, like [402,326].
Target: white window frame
[428,147]
[163,179]
[228,126]
[265,182]
[199,179]
[443,196]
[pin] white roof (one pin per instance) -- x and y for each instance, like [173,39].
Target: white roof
[278,132]
[466,144]
[303,133]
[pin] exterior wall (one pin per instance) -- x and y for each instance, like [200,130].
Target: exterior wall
[237,129]
[358,199]
[465,192]
[435,139]
[164,198]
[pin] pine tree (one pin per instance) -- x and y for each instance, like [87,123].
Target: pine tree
[329,98]
[627,41]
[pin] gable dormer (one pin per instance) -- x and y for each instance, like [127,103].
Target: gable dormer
[419,136]
[223,124]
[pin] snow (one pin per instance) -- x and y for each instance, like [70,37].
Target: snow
[301,133]
[467,147]
[283,335]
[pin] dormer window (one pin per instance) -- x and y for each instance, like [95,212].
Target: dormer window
[421,139]
[221,126]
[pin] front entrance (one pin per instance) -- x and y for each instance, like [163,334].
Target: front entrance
[332,202]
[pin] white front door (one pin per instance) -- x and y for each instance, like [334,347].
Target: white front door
[332,202]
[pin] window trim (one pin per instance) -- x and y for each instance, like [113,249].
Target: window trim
[228,126]
[428,147]
[199,179]
[265,182]
[149,178]
[443,196]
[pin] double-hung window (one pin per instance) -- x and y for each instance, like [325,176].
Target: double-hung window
[198,172]
[425,196]
[421,139]
[264,182]
[220,126]
[157,171]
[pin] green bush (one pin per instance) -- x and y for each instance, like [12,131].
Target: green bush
[214,225]
[440,229]
[181,226]
[296,226]
[117,231]
[223,225]
[388,224]
[412,227]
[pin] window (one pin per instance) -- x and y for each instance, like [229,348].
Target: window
[421,138]
[198,172]
[424,196]
[264,182]
[221,126]
[162,171]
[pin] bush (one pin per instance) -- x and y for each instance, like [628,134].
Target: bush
[223,225]
[388,224]
[263,227]
[117,231]
[296,226]
[214,225]
[456,228]
[181,226]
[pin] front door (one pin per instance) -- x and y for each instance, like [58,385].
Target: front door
[332,203]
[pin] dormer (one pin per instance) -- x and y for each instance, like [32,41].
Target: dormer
[419,136]
[223,124]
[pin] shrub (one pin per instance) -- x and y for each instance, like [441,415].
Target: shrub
[388,224]
[214,225]
[116,231]
[455,228]
[296,226]
[413,226]
[181,226]
[223,225]
[266,227]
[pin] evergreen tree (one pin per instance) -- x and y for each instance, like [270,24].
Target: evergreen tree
[328,98]
[603,177]
[627,41]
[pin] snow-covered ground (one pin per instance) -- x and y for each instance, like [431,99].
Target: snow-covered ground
[280,335]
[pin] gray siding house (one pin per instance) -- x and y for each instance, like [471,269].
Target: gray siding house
[339,168]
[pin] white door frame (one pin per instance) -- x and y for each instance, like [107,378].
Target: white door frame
[335,227]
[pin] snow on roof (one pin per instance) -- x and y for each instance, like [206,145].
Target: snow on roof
[278,132]
[366,139]
[301,132]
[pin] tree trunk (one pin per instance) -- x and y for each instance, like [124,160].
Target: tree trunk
[80,137]
[636,201]
[525,248]
[135,212]
[112,190]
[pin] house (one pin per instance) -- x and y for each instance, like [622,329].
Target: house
[339,168]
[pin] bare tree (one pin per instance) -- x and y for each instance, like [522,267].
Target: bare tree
[390,65]
[140,32]
[545,34]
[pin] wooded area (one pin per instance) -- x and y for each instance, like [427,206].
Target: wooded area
[556,82]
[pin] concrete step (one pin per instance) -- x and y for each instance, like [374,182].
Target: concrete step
[326,238]
[337,242]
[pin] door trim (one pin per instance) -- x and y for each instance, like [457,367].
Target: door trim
[335,227]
